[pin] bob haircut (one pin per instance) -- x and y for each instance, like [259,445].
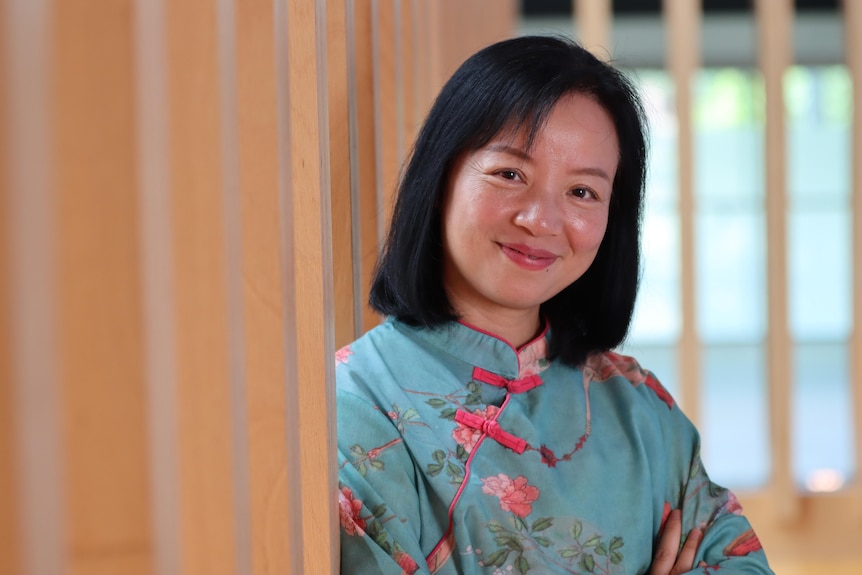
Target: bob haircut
[507,87]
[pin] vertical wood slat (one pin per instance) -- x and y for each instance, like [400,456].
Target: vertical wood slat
[273,547]
[365,163]
[204,413]
[683,19]
[409,72]
[99,301]
[310,382]
[231,217]
[593,26]
[774,28]
[10,495]
[852,11]
[388,127]
[157,279]
[339,157]
[28,320]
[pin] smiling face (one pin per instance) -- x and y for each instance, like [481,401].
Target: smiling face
[520,225]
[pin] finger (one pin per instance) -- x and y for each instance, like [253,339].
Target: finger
[668,546]
[685,560]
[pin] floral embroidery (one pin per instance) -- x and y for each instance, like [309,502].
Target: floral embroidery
[342,355]
[403,418]
[609,364]
[732,506]
[571,550]
[369,456]
[533,359]
[407,564]
[515,495]
[451,461]
[466,436]
[348,508]
[744,544]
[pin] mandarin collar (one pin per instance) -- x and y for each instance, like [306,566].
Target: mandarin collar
[483,349]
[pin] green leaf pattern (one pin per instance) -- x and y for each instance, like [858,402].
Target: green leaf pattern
[521,546]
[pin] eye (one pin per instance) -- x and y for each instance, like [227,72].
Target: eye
[582,193]
[509,175]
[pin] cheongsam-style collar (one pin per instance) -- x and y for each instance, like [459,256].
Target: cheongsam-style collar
[496,361]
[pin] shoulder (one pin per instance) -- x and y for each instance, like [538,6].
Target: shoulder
[607,365]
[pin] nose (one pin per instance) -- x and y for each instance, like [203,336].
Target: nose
[539,213]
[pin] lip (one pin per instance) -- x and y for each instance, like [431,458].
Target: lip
[527,257]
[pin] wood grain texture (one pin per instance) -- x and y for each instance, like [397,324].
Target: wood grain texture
[204,439]
[345,300]
[272,543]
[99,296]
[312,381]
[366,155]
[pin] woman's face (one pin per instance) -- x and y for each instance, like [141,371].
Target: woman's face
[521,225]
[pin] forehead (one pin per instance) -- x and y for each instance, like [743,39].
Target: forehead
[577,125]
[574,111]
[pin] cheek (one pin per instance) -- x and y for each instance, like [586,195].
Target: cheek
[587,232]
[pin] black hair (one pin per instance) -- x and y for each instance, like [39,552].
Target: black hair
[514,84]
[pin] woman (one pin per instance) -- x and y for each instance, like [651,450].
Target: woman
[485,426]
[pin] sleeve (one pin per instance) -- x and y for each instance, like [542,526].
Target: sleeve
[730,545]
[378,499]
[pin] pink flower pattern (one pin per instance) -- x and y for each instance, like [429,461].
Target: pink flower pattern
[609,364]
[348,509]
[467,436]
[342,355]
[406,562]
[515,495]
[533,358]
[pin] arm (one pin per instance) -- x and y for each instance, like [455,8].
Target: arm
[377,499]
[727,543]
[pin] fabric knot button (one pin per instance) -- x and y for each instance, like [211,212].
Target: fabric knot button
[490,426]
[511,385]
[492,429]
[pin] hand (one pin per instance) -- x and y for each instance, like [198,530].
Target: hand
[669,559]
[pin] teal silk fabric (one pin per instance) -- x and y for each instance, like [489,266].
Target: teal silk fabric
[459,454]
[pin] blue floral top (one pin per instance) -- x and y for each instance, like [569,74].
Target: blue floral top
[459,454]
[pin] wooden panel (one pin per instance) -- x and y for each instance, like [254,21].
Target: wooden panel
[682,19]
[853,49]
[388,121]
[774,26]
[593,18]
[339,173]
[10,509]
[409,71]
[310,381]
[366,153]
[207,507]
[32,508]
[272,545]
[99,303]
[153,175]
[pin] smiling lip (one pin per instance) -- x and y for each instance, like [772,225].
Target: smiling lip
[527,257]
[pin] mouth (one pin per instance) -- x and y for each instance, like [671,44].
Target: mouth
[527,257]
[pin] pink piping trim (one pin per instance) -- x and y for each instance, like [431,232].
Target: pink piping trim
[517,350]
[463,485]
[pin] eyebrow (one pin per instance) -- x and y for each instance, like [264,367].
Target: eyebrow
[520,153]
[507,149]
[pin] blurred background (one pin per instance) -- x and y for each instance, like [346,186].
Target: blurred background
[192,196]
